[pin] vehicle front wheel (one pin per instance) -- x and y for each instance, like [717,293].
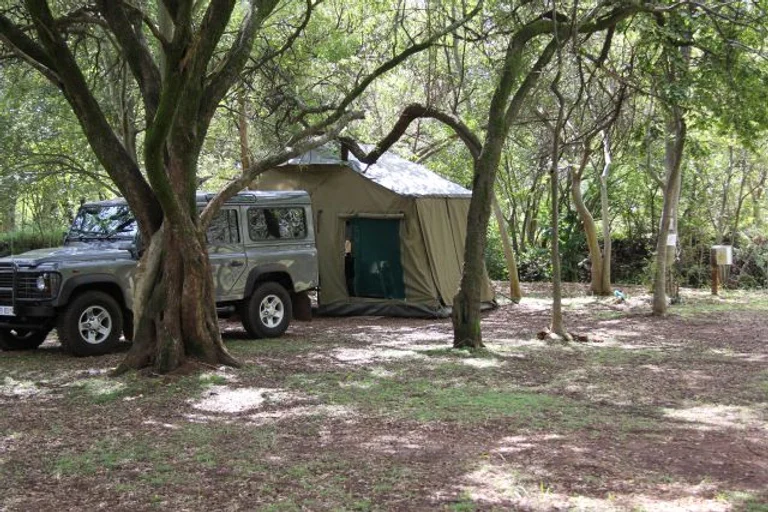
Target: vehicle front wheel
[268,312]
[21,339]
[91,324]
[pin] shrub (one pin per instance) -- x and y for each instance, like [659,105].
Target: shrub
[535,264]
[750,262]
[17,242]
[495,262]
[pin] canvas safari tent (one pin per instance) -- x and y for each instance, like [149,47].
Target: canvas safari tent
[390,236]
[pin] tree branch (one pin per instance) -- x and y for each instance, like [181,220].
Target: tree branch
[28,50]
[106,145]
[271,162]
[135,51]
[410,113]
[387,66]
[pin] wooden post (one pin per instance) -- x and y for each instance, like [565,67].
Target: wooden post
[714,269]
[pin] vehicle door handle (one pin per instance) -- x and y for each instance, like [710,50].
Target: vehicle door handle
[236,263]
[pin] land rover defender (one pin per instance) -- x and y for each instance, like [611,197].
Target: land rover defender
[262,253]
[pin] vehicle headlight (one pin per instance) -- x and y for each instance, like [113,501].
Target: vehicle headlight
[48,283]
[43,282]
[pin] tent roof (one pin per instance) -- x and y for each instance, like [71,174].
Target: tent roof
[391,172]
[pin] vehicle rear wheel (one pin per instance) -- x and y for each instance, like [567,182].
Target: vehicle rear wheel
[268,312]
[21,339]
[91,324]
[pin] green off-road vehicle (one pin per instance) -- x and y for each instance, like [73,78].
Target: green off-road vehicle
[262,252]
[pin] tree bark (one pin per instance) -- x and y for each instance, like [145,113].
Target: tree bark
[558,324]
[605,283]
[675,144]
[242,129]
[590,230]
[515,292]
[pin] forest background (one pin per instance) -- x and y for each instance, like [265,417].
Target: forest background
[615,94]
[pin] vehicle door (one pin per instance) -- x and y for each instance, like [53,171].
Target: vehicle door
[226,253]
[281,235]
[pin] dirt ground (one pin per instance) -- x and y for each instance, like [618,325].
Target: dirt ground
[381,414]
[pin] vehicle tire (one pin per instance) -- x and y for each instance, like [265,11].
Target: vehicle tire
[268,312]
[91,324]
[21,339]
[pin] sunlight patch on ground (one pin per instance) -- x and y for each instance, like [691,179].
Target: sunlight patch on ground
[482,363]
[713,416]
[395,444]
[222,399]
[514,444]
[100,386]
[382,373]
[402,336]
[357,384]
[169,426]
[506,345]
[367,356]
[431,347]
[504,485]
[23,389]
[687,504]
[329,411]
[747,357]
[612,342]
[221,374]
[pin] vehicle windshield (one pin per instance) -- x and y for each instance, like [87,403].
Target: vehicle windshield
[103,222]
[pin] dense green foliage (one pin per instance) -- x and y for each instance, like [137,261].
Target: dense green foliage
[46,166]
[18,242]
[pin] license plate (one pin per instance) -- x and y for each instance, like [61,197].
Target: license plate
[6,311]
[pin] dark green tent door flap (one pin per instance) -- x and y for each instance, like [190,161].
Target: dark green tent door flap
[377,267]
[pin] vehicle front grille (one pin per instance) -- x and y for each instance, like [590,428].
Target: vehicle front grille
[6,285]
[25,286]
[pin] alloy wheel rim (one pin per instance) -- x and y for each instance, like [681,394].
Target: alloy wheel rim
[95,325]
[271,311]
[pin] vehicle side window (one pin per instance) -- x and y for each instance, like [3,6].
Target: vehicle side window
[224,228]
[276,223]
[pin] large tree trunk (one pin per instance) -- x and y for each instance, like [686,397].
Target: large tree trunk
[605,284]
[466,303]
[590,230]
[515,292]
[502,111]
[558,324]
[675,143]
[174,304]
[605,275]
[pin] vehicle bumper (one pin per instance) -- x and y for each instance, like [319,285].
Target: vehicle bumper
[30,316]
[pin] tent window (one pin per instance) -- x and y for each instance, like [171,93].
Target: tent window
[372,264]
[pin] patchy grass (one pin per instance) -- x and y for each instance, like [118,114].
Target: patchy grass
[482,353]
[381,414]
[266,347]
[702,303]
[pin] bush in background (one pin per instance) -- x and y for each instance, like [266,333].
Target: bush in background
[17,242]
[495,262]
[750,262]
